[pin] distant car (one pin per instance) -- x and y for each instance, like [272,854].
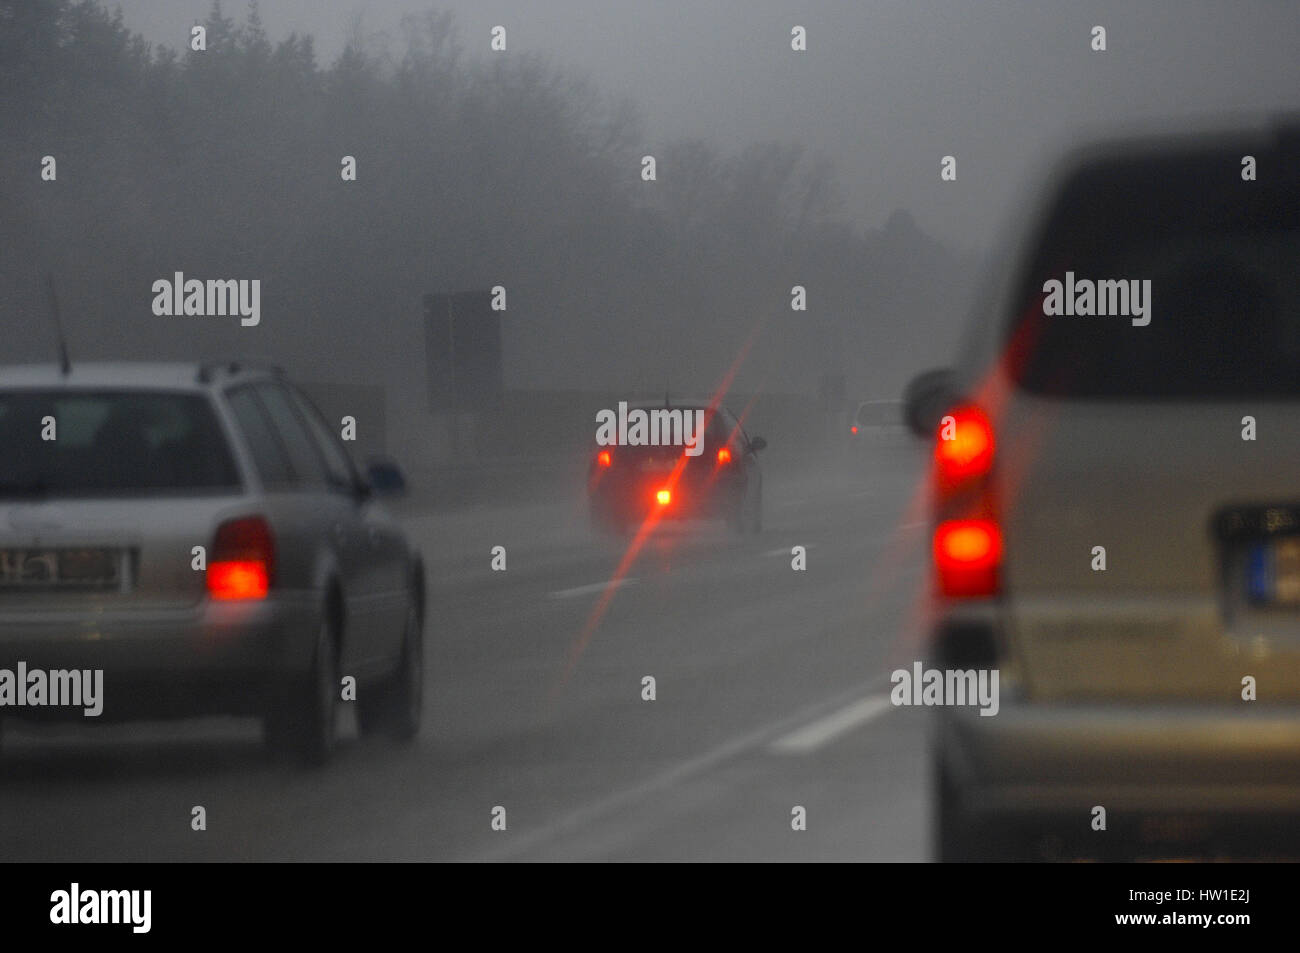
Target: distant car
[1117,518]
[628,484]
[200,534]
[860,420]
[872,417]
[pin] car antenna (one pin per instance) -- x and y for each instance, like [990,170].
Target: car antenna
[64,364]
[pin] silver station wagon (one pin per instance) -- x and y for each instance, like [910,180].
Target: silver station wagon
[199,534]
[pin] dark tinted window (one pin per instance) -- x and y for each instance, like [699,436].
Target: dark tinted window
[304,457]
[1223,259]
[339,467]
[269,456]
[110,443]
[719,430]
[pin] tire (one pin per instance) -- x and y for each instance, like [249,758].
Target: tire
[747,517]
[950,843]
[395,706]
[303,721]
[959,838]
[736,519]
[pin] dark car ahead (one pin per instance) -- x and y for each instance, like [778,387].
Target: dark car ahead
[627,485]
[200,535]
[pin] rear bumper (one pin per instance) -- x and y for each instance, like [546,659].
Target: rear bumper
[1200,768]
[216,657]
[636,499]
[1037,757]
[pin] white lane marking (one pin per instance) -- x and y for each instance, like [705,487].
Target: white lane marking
[785,550]
[878,537]
[584,817]
[825,730]
[593,587]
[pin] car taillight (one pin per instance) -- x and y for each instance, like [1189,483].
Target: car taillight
[853,429]
[664,497]
[724,455]
[964,450]
[604,458]
[967,555]
[967,544]
[242,558]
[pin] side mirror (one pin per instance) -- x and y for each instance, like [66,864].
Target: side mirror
[927,398]
[385,478]
[757,444]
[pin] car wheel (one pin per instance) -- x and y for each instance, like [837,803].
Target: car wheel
[736,519]
[959,838]
[395,706]
[304,720]
[747,515]
[951,844]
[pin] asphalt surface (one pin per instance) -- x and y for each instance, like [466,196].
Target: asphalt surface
[770,684]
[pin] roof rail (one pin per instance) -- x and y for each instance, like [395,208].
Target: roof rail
[236,365]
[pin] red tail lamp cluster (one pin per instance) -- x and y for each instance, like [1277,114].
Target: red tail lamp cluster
[243,556]
[967,544]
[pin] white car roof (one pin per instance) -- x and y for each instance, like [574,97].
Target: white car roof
[105,375]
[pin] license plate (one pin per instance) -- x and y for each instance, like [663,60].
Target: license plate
[59,568]
[1273,572]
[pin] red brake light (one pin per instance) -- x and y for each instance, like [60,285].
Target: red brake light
[964,449]
[854,428]
[967,554]
[724,455]
[238,580]
[604,458]
[242,557]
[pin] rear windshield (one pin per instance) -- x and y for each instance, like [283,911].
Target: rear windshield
[719,427]
[1194,281]
[82,444]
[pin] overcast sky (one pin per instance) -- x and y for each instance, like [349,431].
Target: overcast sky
[886,88]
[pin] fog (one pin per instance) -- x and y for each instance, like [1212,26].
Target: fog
[885,89]
[468,256]
[523,169]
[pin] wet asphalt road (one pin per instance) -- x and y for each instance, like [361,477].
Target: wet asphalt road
[770,688]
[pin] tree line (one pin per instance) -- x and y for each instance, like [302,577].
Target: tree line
[470,172]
